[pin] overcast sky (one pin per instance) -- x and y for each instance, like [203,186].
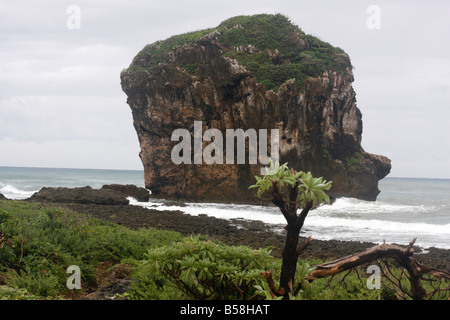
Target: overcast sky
[61,103]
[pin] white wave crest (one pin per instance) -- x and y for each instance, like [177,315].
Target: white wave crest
[14,193]
[351,206]
[345,220]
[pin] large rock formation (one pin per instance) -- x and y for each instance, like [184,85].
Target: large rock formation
[259,72]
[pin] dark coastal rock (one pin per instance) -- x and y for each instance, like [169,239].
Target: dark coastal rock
[130,190]
[110,291]
[111,282]
[82,195]
[2,197]
[242,75]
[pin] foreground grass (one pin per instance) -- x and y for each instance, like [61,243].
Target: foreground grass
[38,244]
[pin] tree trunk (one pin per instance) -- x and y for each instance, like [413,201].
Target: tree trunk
[289,262]
[290,251]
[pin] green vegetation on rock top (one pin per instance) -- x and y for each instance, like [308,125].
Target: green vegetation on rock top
[271,47]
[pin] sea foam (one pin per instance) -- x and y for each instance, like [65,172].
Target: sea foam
[14,193]
[345,219]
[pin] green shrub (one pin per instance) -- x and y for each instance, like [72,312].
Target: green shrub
[304,289]
[299,55]
[347,286]
[204,269]
[8,293]
[276,32]
[191,67]
[353,161]
[150,285]
[40,285]
[43,242]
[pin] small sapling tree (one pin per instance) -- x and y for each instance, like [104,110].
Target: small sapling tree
[295,194]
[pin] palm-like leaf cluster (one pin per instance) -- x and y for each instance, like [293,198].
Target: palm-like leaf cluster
[308,188]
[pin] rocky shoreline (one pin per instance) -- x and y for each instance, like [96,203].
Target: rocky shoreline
[110,203]
[240,232]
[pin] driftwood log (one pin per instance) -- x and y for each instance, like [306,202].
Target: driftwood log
[402,255]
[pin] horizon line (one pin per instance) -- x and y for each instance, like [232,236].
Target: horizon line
[68,168]
[115,169]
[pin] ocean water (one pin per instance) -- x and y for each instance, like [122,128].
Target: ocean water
[406,208]
[21,183]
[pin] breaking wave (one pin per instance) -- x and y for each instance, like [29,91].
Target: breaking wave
[14,193]
[345,219]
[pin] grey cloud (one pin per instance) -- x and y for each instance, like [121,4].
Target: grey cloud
[61,87]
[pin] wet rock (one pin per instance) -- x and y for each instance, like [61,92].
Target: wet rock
[129,190]
[113,281]
[82,195]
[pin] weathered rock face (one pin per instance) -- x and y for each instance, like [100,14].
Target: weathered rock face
[319,124]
